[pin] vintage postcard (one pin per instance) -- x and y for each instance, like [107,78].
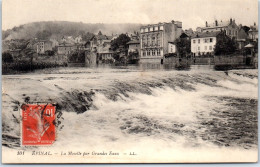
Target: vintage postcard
[129,81]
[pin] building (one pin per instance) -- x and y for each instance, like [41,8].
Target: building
[78,39]
[242,37]
[133,36]
[133,46]
[204,43]
[104,51]
[99,40]
[171,47]
[154,40]
[253,33]
[43,46]
[66,48]
[230,27]
[32,44]
[55,43]
[102,45]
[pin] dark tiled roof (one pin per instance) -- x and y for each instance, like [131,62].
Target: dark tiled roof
[205,34]
[133,42]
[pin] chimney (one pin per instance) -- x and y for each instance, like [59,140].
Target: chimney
[206,24]
[230,20]
[216,23]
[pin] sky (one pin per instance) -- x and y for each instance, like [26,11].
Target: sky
[192,13]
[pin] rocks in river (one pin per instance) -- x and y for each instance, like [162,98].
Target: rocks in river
[76,101]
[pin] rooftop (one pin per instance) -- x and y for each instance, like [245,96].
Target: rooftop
[133,42]
[206,34]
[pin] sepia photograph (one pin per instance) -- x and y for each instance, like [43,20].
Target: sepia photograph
[129,81]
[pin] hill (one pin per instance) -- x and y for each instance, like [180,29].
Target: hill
[57,29]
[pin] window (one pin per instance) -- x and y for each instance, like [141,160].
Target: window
[198,40]
[144,53]
[148,53]
[158,53]
[206,48]
[211,40]
[153,52]
[198,48]
[161,27]
[210,47]
[194,41]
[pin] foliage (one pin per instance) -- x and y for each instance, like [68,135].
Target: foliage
[120,41]
[170,55]
[183,46]
[49,52]
[64,28]
[225,45]
[43,34]
[77,57]
[246,29]
[7,57]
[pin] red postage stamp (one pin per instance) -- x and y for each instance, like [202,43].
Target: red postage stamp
[38,124]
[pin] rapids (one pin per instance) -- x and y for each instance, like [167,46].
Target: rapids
[133,109]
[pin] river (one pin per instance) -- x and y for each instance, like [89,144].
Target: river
[163,115]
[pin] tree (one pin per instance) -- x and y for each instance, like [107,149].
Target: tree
[183,46]
[246,29]
[77,57]
[122,40]
[225,45]
[7,57]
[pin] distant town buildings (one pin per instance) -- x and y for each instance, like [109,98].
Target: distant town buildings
[152,43]
[154,39]
[230,27]
[253,32]
[43,46]
[65,48]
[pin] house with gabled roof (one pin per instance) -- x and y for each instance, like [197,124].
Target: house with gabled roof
[230,27]
[203,43]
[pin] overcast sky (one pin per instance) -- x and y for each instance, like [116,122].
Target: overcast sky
[192,13]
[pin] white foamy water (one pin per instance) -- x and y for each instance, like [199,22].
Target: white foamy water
[166,116]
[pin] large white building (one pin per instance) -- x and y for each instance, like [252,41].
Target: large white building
[204,43]
[154,40]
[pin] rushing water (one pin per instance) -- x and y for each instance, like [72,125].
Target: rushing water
[129,108]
